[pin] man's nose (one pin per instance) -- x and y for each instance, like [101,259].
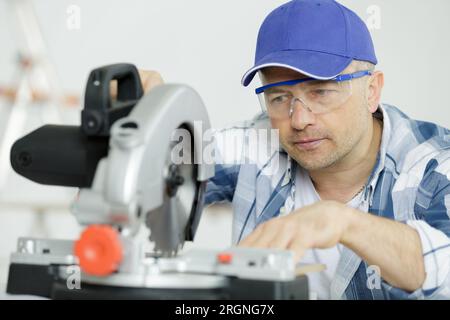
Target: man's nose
[301,116]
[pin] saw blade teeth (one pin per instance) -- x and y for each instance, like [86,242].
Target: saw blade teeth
[168,223]
[165,252]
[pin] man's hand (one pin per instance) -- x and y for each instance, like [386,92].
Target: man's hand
[391,245]
[149,80]
[321,225]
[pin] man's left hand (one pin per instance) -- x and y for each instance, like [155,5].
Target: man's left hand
[320,225]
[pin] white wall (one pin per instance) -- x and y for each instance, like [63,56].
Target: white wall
[209,44]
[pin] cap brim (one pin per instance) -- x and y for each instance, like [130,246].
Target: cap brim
[318,65]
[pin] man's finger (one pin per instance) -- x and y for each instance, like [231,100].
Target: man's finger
[298,249]
[265,236]
[251,238]
[282,240]
[150,79]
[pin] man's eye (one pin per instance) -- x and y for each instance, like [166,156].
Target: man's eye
[321,92]
[279,99]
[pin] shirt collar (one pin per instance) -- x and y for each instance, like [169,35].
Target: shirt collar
[381,114]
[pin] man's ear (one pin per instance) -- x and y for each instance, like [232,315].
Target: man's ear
[262,77]
[374,88]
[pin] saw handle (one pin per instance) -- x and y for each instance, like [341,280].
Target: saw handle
[100,109]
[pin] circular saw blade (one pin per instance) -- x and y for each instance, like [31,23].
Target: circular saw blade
[168,223]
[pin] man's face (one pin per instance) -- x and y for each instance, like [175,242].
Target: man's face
[318,141]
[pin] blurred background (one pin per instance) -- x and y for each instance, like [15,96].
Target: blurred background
[49,47]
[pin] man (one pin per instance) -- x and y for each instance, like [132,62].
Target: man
[356,185]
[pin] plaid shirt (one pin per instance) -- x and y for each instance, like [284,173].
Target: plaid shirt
[410,183]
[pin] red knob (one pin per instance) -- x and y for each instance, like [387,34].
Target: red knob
[99,250]
[224,258]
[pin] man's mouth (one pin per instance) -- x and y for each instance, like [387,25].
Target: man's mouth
[309,143]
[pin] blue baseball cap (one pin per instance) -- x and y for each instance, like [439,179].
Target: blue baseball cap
[318,38]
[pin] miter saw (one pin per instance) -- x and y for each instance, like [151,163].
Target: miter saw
[122,159]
